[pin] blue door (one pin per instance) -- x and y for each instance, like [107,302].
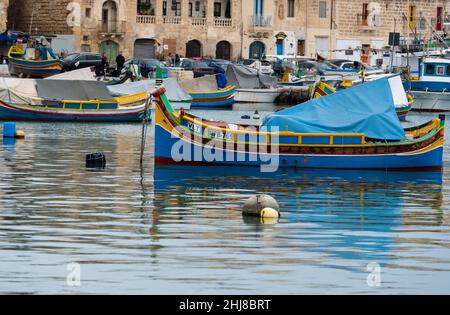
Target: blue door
[257,50]
[280,48]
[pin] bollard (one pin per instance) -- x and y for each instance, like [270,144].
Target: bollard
[96,160]
[263,206]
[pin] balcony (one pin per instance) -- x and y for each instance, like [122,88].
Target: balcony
[112,28]
[172,19]
[146,19]
[369,23]
[260,21]
[195,21]
[223,22]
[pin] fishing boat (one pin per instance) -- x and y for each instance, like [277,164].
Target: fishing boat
[402,101]
[175,94]
[35,62]
[60,100]
[252,87]
[206,92]
[356,128]
[432,89]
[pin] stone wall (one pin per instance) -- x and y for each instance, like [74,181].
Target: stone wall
[3,14]
[40,16]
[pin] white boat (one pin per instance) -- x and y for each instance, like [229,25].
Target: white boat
[252,87]
[256,95]
[432,91]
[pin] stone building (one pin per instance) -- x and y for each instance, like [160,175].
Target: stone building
[3,14]
[366,24]
[229,29]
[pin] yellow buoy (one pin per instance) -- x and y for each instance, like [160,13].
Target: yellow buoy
[20,134]
[270,213]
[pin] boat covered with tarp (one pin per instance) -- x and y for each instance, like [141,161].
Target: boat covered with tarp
[402,101]
[176,95]
[356,128]
[252,86]
[209,91]
[65,100]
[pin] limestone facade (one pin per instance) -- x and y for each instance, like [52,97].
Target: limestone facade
[3,14]
[229,28]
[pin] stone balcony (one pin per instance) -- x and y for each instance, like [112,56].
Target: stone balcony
[191,21]
[112,28]
[369,23]
[260,23]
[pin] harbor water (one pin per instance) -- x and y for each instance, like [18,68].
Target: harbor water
[179,230]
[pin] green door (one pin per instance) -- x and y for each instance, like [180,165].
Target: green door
[110,49]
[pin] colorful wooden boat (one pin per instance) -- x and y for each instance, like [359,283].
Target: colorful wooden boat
[219,98]
[19,65]
[84,111]
[182,138]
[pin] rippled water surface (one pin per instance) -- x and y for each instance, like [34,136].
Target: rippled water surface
[180,230]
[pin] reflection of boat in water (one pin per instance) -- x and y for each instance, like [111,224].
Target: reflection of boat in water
[346,214]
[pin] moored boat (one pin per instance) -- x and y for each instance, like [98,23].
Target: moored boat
[37,62]
[252,87]
[330,132]
[60,100]
[432,89]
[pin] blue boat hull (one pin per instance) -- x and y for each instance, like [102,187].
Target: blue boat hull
[163,153]
[8,112]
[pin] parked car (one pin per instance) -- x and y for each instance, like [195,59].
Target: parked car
[148,67]
[199,67]
[219,65]
[263,66]
[83,60]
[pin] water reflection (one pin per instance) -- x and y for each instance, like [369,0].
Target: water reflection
[364,208]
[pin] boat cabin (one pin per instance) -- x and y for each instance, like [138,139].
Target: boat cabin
[435,69]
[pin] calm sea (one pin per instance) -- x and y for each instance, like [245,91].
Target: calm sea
[68,229]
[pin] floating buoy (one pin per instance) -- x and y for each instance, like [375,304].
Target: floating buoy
[96,160]
[263,206]
[20,134]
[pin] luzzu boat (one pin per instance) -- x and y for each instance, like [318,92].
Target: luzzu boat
[326,133]
[432,90]
[19,64]
[218,98]
[54,100]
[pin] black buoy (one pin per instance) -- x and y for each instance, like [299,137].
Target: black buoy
[96,160]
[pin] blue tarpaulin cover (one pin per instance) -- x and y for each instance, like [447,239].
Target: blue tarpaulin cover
[368,108]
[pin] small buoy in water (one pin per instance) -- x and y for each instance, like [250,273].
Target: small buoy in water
[263,206]
[256,115]
[20,134]
[96,160]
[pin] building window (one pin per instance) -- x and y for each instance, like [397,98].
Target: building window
[190,9]
[164,8]
[291,9]
[322,9]
[217,9]
[411,16]
[440,70]
[88,12]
